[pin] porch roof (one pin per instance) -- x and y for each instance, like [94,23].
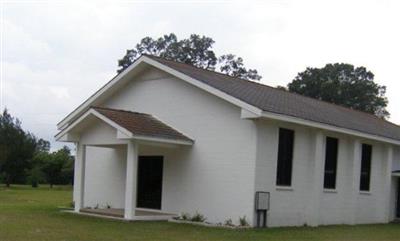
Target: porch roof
[142,124]
[133,125]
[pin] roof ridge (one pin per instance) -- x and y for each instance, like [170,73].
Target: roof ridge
[274,88]
[119,110]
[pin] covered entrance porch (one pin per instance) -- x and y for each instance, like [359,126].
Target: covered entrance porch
[119,165]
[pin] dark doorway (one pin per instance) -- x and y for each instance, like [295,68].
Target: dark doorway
[398,199]
[150,172]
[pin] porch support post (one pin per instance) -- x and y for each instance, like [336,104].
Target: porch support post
[79,177]
[317,179]
[387,173]
[131,180]
[355,179]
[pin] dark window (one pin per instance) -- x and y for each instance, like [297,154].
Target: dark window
[365,167]
[330,163]
[285,157]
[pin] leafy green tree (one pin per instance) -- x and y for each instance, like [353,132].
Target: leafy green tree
[43,145]
[17,148]
[344,85]
[67,172]
[195,50]
[233,66]
[42,156]
[35,176]
[57,166]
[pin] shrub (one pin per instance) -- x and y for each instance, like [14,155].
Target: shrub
[185,216]
[197,217]
[228,222]
[243,222]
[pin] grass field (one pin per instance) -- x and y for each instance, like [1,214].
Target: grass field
[28,214]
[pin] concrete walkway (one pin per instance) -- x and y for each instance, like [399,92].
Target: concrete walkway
[140,214]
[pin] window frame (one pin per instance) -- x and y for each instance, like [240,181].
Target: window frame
[284,169]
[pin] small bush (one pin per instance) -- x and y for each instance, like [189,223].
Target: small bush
[108,206]
[228,222]
[243,222]
[185,216]
[197,217]
[72,204]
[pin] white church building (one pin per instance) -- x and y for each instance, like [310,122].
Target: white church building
[164,138]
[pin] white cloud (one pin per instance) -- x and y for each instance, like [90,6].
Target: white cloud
[60,92]
[19,45]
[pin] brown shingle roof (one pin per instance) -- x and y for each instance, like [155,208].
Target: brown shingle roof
[141,124]
[283,102]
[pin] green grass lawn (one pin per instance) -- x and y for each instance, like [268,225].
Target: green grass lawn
[28,214]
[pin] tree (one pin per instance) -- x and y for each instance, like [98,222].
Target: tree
[17,148]
[43,145]
[57,166]
[35,176]
[233,66]
[67,172]
[196,51]
[42,156]
[344,85]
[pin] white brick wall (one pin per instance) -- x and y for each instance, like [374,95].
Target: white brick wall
[290,207]
[105,177]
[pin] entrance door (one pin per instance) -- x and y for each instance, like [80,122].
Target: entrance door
[149,189]
[398,199]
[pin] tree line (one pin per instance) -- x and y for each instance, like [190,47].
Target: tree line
[26,159]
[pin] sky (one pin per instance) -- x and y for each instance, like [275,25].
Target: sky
[55,54]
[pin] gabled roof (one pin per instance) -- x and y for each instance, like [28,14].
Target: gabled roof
[260,100]
[140,124]
[129,125]
[286,103]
